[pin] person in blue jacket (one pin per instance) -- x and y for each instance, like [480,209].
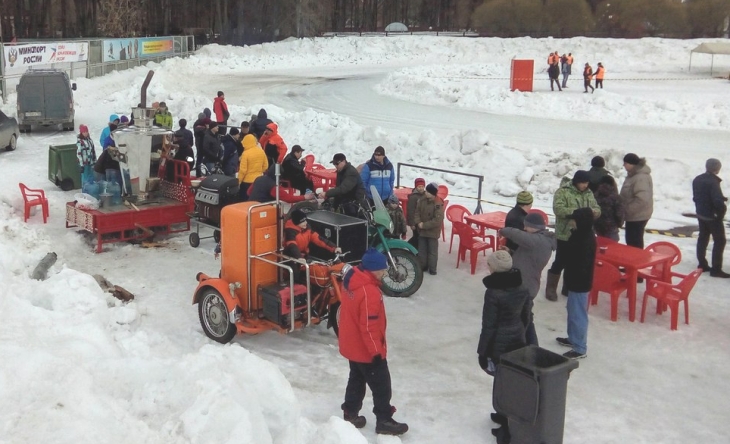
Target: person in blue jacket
[378,171]
[113,123]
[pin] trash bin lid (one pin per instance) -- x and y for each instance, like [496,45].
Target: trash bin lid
[538,361]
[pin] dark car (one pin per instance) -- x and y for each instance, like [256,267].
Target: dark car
[8,132]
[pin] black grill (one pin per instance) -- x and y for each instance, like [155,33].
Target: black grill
[214,193]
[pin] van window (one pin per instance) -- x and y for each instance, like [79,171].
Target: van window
[57,97]
[30,95]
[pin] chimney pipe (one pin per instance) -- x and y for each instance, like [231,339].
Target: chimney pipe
[145,84]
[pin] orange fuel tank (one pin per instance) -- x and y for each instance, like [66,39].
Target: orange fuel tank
[235,227]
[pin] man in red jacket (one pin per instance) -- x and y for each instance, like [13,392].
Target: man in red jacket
[220,108]
[362,341]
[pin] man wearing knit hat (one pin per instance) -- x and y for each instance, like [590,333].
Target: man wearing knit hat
[516,216]
[419,190]
[536,246]
[428,219]
[637,196]
[710,206]
[504,316]
[597,172]
[379,172]
[362,324]
[572,194]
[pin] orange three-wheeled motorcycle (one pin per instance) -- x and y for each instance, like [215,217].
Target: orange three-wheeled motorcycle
[253,294]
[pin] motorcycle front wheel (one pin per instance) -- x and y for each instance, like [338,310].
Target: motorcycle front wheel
[405,278]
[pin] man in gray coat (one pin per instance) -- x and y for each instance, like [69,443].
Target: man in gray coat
[536,246]
[637,196]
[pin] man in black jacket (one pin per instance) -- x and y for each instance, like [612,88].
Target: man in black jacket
[258,126]
[186,133]
[710,206]
[292,169]
[349,192]
[211,147]
[184,151]
[580,257]
[199,128]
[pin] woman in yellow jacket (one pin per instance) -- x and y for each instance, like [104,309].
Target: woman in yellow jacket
[253,164]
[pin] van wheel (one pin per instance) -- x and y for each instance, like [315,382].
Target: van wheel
[69,126]
[24,128]
[13,143]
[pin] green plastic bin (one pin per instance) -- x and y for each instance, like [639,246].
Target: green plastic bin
[63,167]
[530,389]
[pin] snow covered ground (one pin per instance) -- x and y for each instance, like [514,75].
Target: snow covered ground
[78,366]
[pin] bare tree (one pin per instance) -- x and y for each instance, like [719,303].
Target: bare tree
[707,17]
[120,18]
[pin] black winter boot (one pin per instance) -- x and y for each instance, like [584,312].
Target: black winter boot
[390,427]
[499,419]
[551,289]
[356,420]
[502,434]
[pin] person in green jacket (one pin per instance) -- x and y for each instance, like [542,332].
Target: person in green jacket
[163,117]
[571,195]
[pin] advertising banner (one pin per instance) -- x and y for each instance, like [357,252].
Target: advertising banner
[116,50]
[18,58]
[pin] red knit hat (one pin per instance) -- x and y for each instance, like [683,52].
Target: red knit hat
[420,181]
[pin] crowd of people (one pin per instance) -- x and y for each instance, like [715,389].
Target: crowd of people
[585,206]
[558,64]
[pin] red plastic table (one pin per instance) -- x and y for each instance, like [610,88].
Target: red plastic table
[633,259]
[492,221]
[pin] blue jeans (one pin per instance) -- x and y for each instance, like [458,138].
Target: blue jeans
[578,321]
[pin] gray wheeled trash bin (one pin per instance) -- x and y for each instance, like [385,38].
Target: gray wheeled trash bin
[530,389]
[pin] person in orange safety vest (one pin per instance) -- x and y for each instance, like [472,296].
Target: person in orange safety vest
[600,72]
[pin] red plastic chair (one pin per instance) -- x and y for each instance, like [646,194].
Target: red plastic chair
[443,225]
[456,213]
[32,198]
[608,279]
[308,162]
[656,272]
[668,294]
[542,214]
[467,241]
[443,192]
